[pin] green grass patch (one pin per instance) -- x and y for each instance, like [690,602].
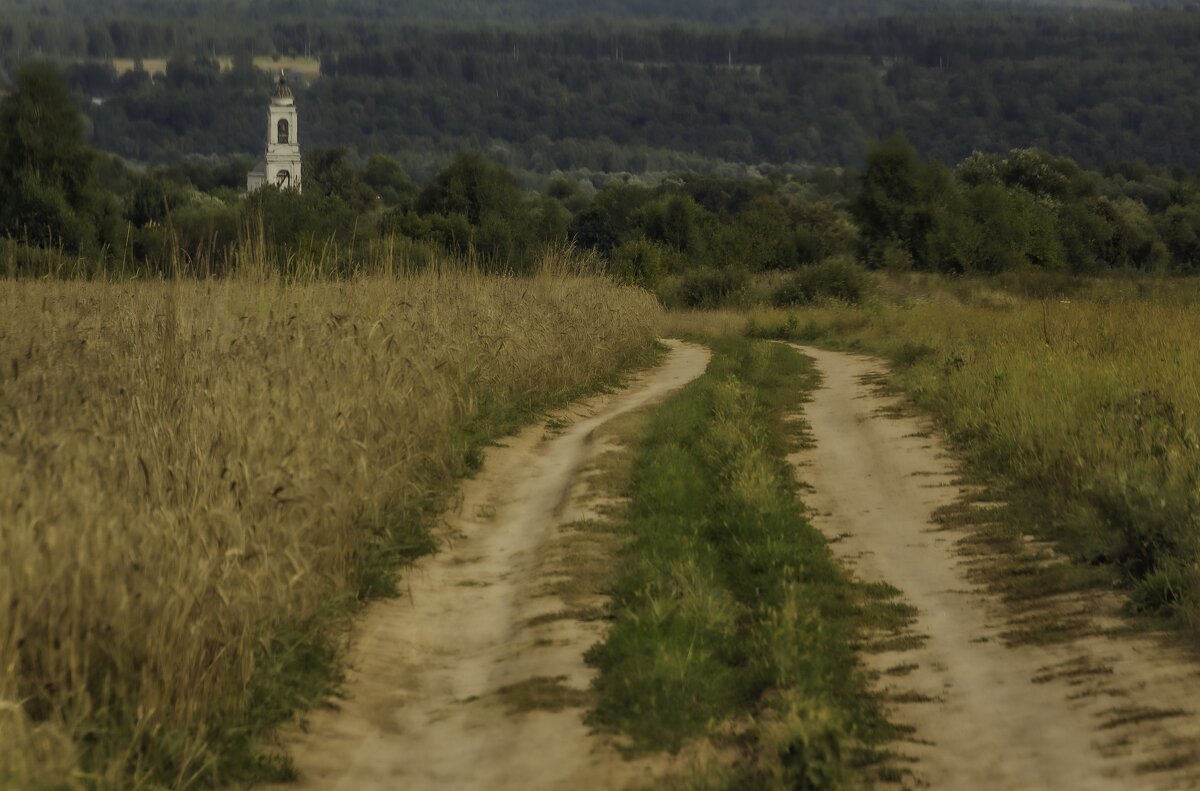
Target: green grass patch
[729,606]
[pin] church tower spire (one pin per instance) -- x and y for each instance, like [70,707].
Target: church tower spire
[282,165]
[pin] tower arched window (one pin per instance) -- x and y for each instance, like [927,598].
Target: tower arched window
[284,130]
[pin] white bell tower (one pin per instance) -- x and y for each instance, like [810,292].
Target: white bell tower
[282,167]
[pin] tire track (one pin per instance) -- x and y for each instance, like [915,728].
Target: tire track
[422,708]
[1094,713]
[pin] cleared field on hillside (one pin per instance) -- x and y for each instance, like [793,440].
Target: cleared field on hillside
[193,474]
[1082,397]
[309,67]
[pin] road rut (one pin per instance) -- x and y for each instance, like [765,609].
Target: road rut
[1095,713]
[422,707]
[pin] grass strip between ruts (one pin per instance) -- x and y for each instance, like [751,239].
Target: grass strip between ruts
[730,614]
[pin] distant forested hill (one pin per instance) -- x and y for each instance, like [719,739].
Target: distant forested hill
[738,12]
[128,28]
[613,86]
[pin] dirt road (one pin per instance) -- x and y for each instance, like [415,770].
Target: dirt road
[1095,713]
[436,674]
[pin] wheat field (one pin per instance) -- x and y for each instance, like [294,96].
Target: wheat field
[186,466]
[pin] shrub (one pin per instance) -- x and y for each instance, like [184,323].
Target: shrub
[836,279]
[639,262]
[708,287]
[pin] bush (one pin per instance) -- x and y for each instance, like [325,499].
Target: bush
[708,287]
[639,262]
[836,279]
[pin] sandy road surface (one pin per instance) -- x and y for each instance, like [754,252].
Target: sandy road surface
[1096,713]
[423,707]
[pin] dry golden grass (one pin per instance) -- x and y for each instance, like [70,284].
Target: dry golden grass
[700,323]
[184,466]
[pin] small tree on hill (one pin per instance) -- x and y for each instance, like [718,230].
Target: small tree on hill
[473,187]
[889,200]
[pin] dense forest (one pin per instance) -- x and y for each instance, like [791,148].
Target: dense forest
[51,23]
[673,90]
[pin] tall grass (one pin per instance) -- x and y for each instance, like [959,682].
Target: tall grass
[1083,396]
[191,472]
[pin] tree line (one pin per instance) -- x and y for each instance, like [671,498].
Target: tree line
[1025,209]
[698,240]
